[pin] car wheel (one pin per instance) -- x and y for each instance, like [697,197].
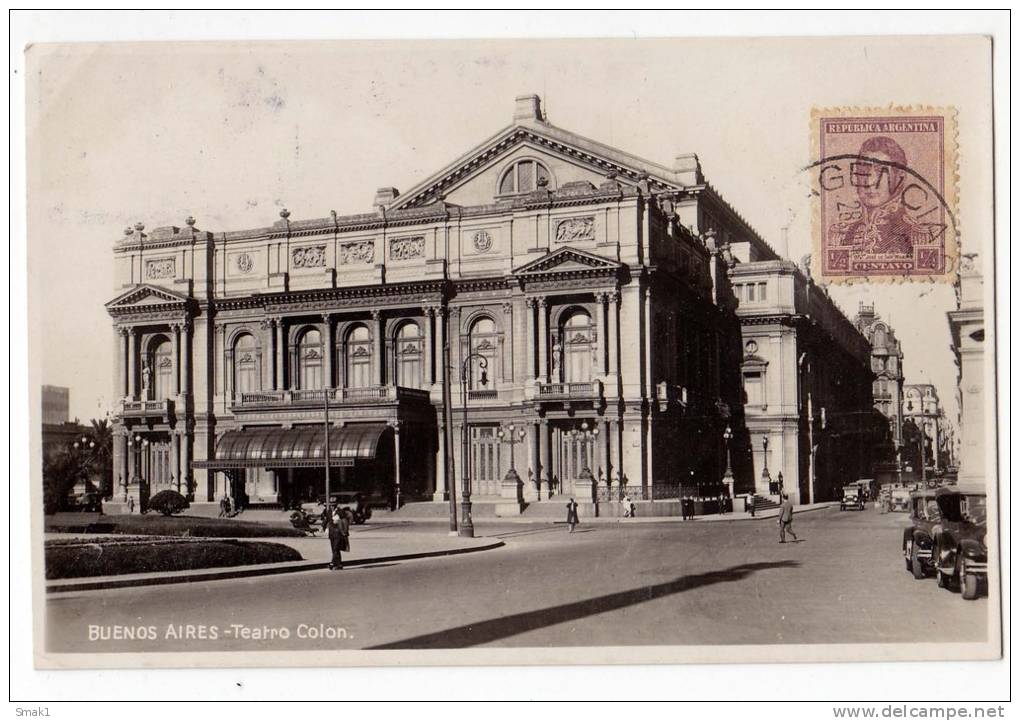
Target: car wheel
[956,582]
[969,586]
[908,553]
[940,578]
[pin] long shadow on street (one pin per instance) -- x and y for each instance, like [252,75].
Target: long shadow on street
[505,626]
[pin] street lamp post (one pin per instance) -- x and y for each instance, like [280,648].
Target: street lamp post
[766,477]
[467,527]
[728,474]
[512,481]
[588,436]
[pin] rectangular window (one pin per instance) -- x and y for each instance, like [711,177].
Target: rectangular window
[750,292]
[753,389]
[761,291]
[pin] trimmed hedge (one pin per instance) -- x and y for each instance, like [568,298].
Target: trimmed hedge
[168,502]
[75,558]
[154,525]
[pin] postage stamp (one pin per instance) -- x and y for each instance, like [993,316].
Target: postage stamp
[885,190]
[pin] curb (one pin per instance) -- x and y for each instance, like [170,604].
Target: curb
[112,582]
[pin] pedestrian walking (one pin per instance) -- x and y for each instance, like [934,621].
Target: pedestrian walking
[683,509]
[224,506]
[628,507]
[338,524]
[572,519]
[786,519]
[749,504]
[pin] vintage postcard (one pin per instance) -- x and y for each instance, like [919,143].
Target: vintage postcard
[512,352]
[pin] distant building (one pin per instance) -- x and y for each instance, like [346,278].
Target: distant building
[807,383]
[58,432]
[921,407]
[887,365]
[967,326]
[56,405]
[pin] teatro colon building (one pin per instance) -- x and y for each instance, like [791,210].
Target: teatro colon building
[584,298]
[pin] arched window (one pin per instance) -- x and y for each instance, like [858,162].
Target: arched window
[310,360]
[408,351]
[483,341]
[359,357]
[246,366]
[161,369]
[523,177]
[577,339]
[879,339]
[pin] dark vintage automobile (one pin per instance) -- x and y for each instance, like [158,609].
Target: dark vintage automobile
[917,537]
[853,498]
[960,551]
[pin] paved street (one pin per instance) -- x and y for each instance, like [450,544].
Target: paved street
[616,584]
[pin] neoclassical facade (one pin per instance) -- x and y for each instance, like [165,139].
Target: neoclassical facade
[580,294]
[967,327]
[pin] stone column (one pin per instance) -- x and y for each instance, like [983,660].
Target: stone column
[543,340]
[132,364]
[281,350]
[175,329]
[121,379]
[428,377]
[545,443]
[506,358]
[618,442]
[536,459]
[440,340]
[175,460]
[612,332]
[600,344]
[266,368]
[186,358]
[396,461]
[649,389]
[186,484]
[380,347]
[119,464]
[530,348]
[440,464]
[329,351]
[606,452]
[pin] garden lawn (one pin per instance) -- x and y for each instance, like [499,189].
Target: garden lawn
[79,558]
[152,524]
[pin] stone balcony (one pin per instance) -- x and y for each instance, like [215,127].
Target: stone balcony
[300,399]
[160,411]
[567,393]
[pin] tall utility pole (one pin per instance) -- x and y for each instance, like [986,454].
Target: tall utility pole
[448,470]
[325,427]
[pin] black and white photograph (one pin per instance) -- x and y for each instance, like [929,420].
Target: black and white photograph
[511,352]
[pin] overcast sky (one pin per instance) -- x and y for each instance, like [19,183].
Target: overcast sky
[232,134]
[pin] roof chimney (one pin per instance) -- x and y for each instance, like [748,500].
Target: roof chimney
[385,196]
[527,107]
[688,169]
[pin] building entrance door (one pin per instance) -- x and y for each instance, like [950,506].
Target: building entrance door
[486,461]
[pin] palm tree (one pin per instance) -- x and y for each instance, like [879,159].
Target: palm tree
[100,460]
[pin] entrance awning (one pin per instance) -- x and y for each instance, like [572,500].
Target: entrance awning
[275,447]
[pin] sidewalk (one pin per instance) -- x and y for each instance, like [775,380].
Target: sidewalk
[713,518]
[368,546]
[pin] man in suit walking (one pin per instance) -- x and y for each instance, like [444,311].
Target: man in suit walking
[786,519]
[338,525]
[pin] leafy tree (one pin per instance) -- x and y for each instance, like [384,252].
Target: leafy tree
[61,472]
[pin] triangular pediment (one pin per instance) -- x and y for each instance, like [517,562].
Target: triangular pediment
[566,260]
[575,157]
[143,295]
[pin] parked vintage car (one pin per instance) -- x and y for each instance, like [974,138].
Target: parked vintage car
[899,499]
[917,537]
[853,498]
[960,550]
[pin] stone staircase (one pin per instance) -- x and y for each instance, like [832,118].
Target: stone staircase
[765,503]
